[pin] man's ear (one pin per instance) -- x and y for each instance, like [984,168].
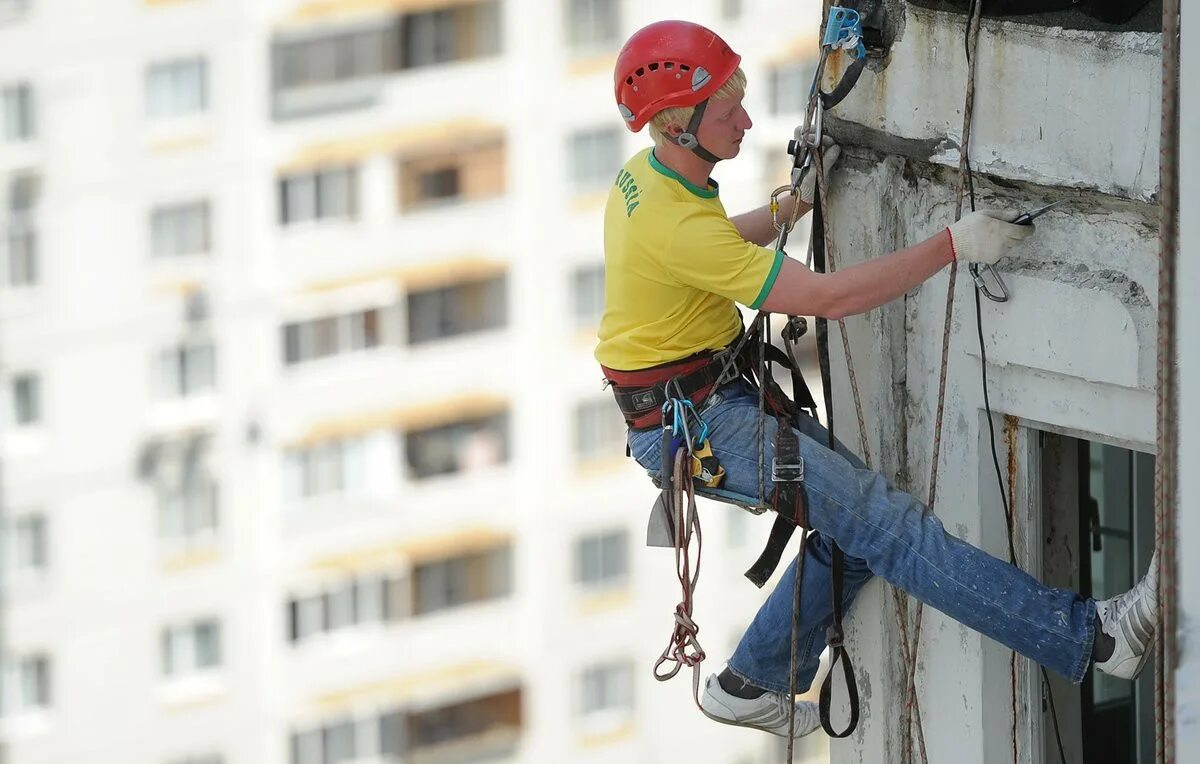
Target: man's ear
[674,130]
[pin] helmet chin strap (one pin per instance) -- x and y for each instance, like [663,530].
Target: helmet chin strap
[688,139]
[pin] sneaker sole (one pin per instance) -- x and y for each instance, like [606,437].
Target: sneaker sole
[748,725]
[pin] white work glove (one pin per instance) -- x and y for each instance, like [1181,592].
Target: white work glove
[984,236]
[830,152]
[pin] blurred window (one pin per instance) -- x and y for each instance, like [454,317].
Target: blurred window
[602,558]
[473,172]
[340,57]
[20,200]
[731,9]
[180,229]
[191,648]
[316,338]
[599,430]
[187,490]
[177,88]
[595,157]
[485,718]
[462,580]
[16,111]
[26,399]
[587,294]
[459,447]
[592,23]
[606,687]
[26,683]
[186,369]
[210,758]
[370,737]
[458,309]
[444,35]
[324,194]
[788,85]
[330,467]
[29,551]
[368,599]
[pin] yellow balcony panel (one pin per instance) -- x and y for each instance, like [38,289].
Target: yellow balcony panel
[420,277]
[603,63]
[191,560]
[444,685]
[417,417]
[412,551]
[603,739]
[340,11]
[443,137]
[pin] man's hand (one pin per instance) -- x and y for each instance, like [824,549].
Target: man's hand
[984,236]
[830,152]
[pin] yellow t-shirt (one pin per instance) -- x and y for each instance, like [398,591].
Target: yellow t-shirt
[674,264]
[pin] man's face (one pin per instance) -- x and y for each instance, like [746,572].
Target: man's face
[725,123]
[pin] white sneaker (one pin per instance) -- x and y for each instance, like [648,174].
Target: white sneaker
[1130,619]
[767,712]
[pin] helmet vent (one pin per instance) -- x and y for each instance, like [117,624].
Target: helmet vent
[669,65]
[629,80]
[653,67]
[684,67]
[641,72]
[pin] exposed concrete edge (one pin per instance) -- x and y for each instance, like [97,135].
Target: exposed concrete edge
[942,151]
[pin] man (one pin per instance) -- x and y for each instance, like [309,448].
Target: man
[675,264]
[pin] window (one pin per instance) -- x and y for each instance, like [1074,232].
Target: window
[180,473]
[1097,523]
[180,229]
[587,294]
[177,88]
[460,722]
[368,599]
[325,194]
[16,111]
[12,8]
[599,430]
[731,9]
[458,447]
[26,399]
[329,336]
[211,758]
[370,737]
[451,311]
[464,580]
[473,173]
[26,684]
[186,369]
[788,85]
[595,158]
[20,235]
[29,543]
[606,687]
[602,559]
[1109,16]
[443,35]
[592,23]
[341,57]
[332,467]
[191,648]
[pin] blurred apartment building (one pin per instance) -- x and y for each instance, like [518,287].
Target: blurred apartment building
[304,456]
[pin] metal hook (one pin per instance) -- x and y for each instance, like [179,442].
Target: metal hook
[981,284]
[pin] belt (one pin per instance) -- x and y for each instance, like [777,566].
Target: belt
[641,394]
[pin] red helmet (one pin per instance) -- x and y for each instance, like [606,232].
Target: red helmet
[670,63]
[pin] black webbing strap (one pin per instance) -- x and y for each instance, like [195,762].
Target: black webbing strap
[836,634]
[787,499]
[835,638]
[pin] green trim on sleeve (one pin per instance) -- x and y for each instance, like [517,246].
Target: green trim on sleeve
[770,282]
[703,193]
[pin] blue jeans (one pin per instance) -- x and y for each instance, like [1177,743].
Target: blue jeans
[884,532]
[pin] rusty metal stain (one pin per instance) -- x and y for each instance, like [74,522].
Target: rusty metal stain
[1010,442]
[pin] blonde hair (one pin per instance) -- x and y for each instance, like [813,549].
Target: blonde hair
[732,87]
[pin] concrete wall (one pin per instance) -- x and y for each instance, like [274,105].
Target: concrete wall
[1059,115]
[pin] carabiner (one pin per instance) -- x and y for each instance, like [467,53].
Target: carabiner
[981,284]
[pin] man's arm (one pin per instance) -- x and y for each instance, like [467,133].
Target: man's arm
[857,288]
[756,226]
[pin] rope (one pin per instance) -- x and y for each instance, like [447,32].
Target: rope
[684,648]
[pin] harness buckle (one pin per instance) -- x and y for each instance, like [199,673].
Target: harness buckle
[787,472]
